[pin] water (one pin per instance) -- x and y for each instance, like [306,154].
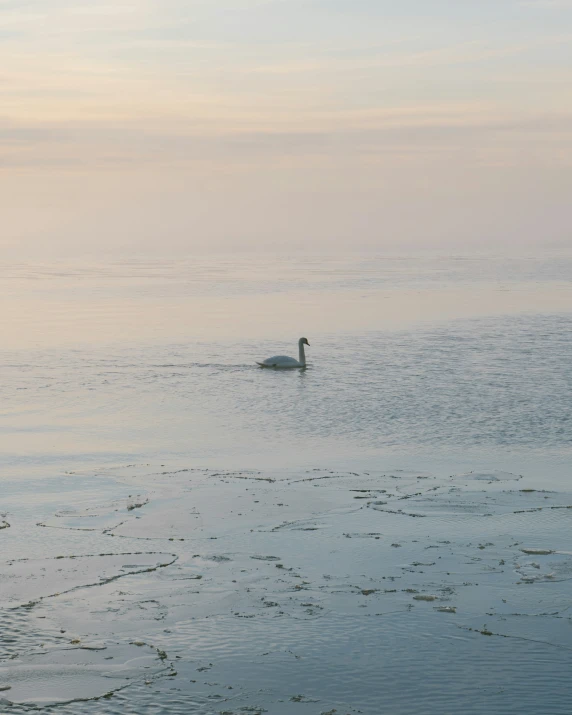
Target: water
[132,359]
[139,437]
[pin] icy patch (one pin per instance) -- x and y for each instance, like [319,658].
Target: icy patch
[65,675]
[96,518]
[553,567]
[489,476]
[27,581]
[455,502]
[165,519]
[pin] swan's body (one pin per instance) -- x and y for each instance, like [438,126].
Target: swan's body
[283,361]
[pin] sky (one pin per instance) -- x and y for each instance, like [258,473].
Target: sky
[181,126]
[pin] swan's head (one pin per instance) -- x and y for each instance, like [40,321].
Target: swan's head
[303,341]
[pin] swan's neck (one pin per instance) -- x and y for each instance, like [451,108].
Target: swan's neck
[301,354]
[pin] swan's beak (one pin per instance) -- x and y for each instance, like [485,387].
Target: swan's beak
[307,343]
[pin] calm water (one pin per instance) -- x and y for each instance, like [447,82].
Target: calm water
[427,356]
[183,532]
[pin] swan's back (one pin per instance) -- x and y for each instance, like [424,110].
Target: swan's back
[280,361]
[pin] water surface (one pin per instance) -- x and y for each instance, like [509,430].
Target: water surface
[185,532]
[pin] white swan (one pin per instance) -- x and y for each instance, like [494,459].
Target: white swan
[283,361]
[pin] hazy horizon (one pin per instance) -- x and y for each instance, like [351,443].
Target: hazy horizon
[181,127]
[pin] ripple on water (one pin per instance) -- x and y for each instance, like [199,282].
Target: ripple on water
[351,665]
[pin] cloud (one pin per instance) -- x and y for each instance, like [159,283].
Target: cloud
[434,133]
[249,101]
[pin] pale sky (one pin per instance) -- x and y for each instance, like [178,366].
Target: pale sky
[174,126]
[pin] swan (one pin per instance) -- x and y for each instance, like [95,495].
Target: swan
[283,361]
